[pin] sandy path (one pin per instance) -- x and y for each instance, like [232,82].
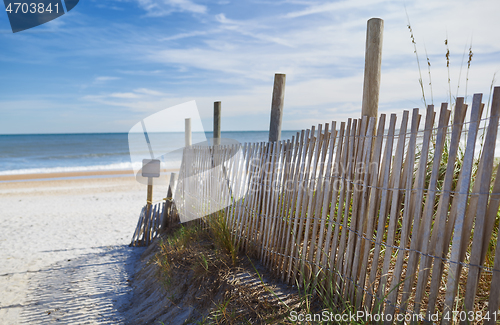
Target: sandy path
[63,249]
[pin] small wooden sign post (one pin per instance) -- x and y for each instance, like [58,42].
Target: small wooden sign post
[150,169]
[147,226]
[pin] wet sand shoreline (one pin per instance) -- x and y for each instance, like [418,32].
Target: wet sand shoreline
[67,175]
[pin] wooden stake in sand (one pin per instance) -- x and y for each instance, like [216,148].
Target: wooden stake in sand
[277,107]
[373,64]
[217,120]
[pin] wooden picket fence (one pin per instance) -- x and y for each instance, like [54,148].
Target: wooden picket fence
[397,217]
[148,226]
[156,218]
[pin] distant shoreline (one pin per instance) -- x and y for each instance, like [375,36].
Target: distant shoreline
[65,175]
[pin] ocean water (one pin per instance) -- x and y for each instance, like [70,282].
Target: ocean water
[51,153]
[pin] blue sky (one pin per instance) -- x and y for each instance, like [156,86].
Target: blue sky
[109,63]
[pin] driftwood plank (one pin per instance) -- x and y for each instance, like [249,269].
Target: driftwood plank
[494,300]
[334,180]
[156,217]
[363,189]
[416,207]
[484,179]
[225,173]
[135,236]
[353,204]
[371,200]
[396,275]
[302,204]
[279,201]
[357,175]
[425,225]
[344,203]
[247,151]
[395,204]
[309,202]
[275,184]
[233,175]
[471,207]
[284,205]
[252,211]
[298,168]
[254,184]
[319,196]
[245,205]
[208,188]
[385,176]
[250,199]
[453,211]
[396,187]
[292,219]
[255,211]
[281,207]
[300,188]
[291,192]
[147,229]
[237,177]
[268,196]
[336,212]
[453,272]
[360,152]
[327,189]
[264,195]
[274,173]
[437,243]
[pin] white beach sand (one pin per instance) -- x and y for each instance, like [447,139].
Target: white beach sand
[64,255]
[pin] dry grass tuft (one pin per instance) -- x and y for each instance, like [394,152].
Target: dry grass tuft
[199,267]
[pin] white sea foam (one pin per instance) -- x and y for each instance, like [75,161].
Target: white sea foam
[126,166]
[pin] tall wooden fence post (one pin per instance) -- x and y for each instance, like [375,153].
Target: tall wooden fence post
[217,118]
[373,63]
[277,107]
[187,133]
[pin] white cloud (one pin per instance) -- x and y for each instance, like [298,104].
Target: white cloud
[105,78]
[184,35]
[124,95]
[146,91]
[160,8]
[139,94]
[332,6]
